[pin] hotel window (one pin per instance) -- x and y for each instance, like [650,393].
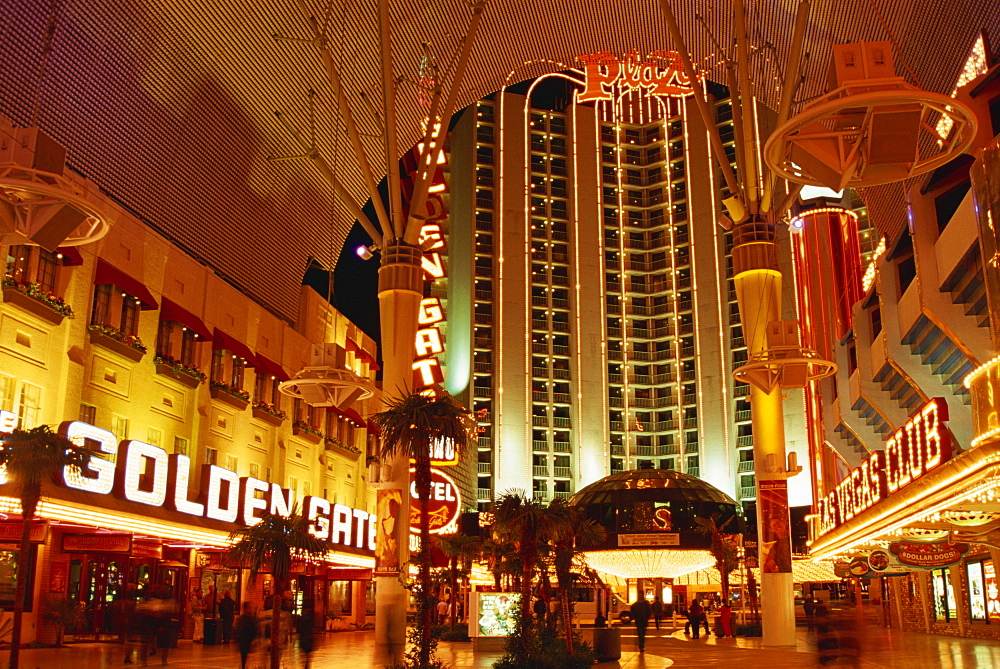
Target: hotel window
[30,264]
[265,390]
[30,406]
[254,470]
[7,384]
[188,340]
[236,372]
[211,455]
[154,437]
[232,463]
[119,425]
[109,310]
[180,446]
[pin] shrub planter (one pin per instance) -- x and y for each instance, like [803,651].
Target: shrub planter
[334,447]
[307,434]
[232,400]
[188,379]
[112,344]
[267,416]
[31,305]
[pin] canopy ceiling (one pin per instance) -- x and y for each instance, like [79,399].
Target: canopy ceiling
[170,106]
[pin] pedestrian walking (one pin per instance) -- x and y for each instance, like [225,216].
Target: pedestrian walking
[305,630]
[245,631]
[227,613]
[695,615]
[539,609]
[641,610]
[657,612]
[196,606]
[726,619]
[809,606]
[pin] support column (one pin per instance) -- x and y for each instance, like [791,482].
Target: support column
[758,291]
[400,290]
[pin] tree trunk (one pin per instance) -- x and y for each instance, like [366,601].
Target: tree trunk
[453,604]
[567,619]
[30,494]
[423,480]
[277,602]
[529,544]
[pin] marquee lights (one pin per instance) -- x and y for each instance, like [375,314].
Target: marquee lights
[913,450]
[649,562]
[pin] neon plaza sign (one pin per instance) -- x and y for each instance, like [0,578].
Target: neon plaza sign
[660,73]
[912,451]
[147,475]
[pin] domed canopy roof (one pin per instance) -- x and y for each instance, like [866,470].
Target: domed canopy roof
[661,485]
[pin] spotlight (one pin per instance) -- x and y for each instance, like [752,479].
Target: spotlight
[365,252]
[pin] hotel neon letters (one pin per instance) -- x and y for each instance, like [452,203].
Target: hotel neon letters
[912,451]
[147,475]
[603,71]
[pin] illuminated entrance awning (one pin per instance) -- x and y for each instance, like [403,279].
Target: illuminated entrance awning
[649,562]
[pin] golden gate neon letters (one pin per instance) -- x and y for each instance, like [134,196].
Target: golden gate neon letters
[224,495]
[913,450]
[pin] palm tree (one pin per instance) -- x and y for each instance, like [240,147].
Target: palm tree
[273,543]
[411,425]
[572,531]
[722,550]
[523,522]
[460,548]
[30,457]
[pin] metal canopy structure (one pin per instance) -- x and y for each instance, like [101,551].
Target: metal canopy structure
[171,106]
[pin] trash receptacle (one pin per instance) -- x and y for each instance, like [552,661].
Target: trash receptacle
[607,643]
[211,631]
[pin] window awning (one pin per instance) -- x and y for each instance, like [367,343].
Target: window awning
[222,341]
[349,414]
[265,366]
[106,273]
[170,311]
[360,352]
[70,256]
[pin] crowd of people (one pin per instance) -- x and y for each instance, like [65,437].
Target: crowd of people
[697,617]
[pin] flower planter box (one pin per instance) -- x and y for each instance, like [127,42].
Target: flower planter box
[31,305]
[232,400]
[314,438]
[111,344]
[340,450]
[267,417]
[189,380]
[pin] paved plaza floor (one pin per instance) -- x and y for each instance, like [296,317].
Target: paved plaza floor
[881,649]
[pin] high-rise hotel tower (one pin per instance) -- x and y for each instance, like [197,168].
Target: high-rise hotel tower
[604,312]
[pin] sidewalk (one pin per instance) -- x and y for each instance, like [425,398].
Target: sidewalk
[882,649]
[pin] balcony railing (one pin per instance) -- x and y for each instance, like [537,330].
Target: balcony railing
[484,494]
[745,466]
[540,470]
[748,492]
[537,445]
[561,446]
[484,467]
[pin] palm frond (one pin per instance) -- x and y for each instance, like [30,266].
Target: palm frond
[273,544]
[413,422]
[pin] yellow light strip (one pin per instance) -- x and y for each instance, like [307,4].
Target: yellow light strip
[93,517]
[695,320]
[982,369]
[800,220]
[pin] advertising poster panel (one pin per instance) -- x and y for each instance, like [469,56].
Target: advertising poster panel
[776,541]
[390,501]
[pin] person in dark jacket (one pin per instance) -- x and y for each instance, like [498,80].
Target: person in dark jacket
[695,615]
[227,613]
[304,627]
[641,611]
[245,631]
[657,612]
